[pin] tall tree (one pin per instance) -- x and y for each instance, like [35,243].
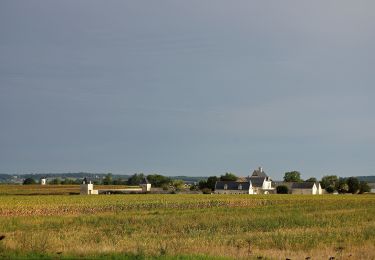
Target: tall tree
[353,184]
[364,187]
[211,181]
[342,186]
[135,179]
[293,176]
[228,177]
[329,180]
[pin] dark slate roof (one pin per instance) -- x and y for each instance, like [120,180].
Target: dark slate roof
[302,185]
[259,173]
[257,181]
[232,185]
[144,181]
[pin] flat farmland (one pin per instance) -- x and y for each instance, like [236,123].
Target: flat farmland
[187,226]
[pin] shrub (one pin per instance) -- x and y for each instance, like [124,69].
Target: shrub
[29,181]
[330,189]
[282,189]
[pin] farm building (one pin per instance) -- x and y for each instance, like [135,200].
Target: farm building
[43,181]
[233,187]
[261,182]
[258,183]
[87,188]
[306,188]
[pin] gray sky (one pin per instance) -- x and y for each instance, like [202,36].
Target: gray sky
[187,87]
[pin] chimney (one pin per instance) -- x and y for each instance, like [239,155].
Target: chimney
[260,169]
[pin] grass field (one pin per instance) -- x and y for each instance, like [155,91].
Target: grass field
[187,226]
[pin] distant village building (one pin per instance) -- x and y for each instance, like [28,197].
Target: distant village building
[261,182]
[43,181]
[145,185]
[258,183]
[87,188]
[306,188]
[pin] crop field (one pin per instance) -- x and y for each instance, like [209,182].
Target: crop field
[187,226]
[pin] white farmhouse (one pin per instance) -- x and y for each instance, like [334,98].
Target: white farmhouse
[261,182]
[258,183]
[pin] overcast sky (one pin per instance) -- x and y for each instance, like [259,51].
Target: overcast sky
[188,87]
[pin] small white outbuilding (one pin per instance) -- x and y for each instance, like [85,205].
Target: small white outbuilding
[87,188]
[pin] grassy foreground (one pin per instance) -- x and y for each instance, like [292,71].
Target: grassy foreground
[187,226]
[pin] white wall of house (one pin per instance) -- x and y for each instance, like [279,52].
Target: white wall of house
[267,185]
[43,181]
[312,191]
[302,191]
[88,189]
[146,187]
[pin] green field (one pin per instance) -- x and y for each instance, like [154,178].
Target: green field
[187,226]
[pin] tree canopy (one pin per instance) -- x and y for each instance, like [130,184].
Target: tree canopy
[136,179]
[209,183]
[311,179]
[329,180]
[158,180]
[353,184]
[293,176]
[228,177]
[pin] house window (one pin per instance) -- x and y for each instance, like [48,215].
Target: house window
[240,187]
[225,186]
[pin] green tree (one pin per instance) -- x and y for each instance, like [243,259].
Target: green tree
[178,184]
[330,189]
[342,186]
[311,179]
[108,179]
[353,184]
[211,181]
[329,180]
[29,181]
[135,179]
[228,177]
[293,176]
[202,184]
[364,187]
[282,189]
[158,180]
